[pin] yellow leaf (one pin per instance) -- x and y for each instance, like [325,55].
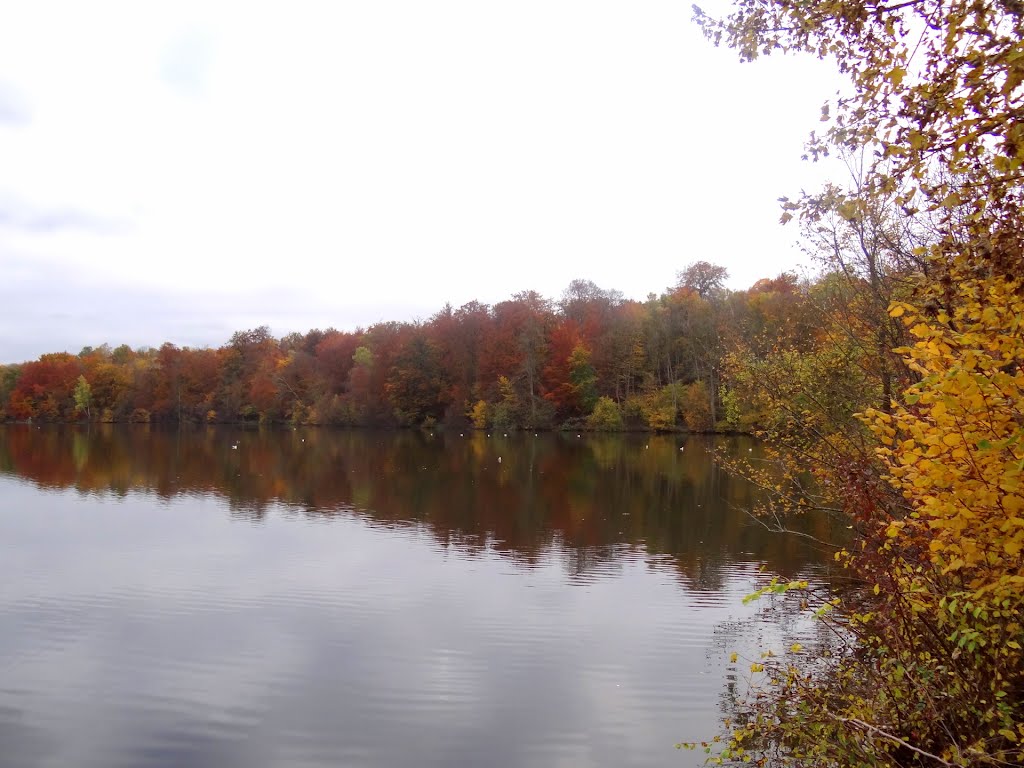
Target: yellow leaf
[848,211]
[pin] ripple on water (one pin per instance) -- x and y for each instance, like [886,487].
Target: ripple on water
[162,632]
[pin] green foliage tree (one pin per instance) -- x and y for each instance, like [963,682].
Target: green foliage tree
[506,413]
[583,379]
[606,416]
[8,379]
[83,396]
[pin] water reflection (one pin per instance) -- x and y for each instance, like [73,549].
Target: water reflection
[518,494]
[320,598]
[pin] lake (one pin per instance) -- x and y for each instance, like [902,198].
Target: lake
[239,597]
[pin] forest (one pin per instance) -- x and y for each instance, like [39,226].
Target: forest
[589,360]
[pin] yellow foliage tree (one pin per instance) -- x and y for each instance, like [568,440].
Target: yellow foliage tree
[926,666]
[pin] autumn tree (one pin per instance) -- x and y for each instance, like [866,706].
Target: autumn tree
[247,386]
[385,341]
[459,336]
[597,313]
[703,278]
[111,390]
[937,102]
[44,389]
[563,338]
[774,313]
[416,385]
[926,667]
[334,359]
[624,352]
[589,306]
[517,349]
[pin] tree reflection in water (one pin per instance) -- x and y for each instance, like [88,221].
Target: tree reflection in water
[595,497]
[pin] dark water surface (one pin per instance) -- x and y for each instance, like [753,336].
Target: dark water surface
[218,597]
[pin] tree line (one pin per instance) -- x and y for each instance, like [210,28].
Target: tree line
[591,359]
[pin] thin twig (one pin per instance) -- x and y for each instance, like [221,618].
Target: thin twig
[894,739]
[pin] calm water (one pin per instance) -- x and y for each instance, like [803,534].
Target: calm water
[218,597]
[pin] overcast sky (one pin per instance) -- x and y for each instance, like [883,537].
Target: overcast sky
[179,174]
